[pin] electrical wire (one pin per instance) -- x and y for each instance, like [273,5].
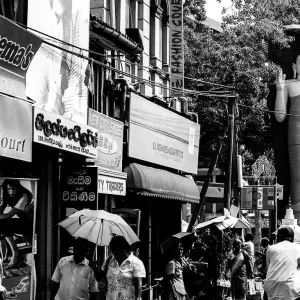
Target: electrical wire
[114,58]
[150,82]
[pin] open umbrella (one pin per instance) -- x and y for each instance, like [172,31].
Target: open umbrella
[176,238]
[98,226]
[223,222]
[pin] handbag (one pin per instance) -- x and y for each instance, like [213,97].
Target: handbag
[251,287]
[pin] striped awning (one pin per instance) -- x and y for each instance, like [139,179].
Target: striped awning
[152,182]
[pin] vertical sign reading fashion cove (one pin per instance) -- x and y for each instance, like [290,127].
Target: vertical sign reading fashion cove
[57,80]
[17,49]
[110,140]
[80,188]
[60,133]
[161,136]
[176,47]
[15,128]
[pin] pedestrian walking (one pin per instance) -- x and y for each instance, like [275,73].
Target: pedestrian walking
[241,268]
[73,278]
[124,272]
[283,268]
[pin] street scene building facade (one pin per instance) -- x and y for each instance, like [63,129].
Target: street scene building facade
[100,154]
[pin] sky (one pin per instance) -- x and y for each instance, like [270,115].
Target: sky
[214,8]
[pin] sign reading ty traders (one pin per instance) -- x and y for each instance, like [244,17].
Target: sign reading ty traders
[111,185]
[110,140]
[162,137]
[15,128]
[176,46]
[64,134]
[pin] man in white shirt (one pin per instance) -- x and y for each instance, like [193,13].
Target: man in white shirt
[73,279]
[283,272]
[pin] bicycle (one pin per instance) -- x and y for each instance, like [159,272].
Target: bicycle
[157,286]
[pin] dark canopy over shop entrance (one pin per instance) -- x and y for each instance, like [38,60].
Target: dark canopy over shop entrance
[153,182]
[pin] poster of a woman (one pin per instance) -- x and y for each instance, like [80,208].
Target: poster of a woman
[55,79]
[17,236]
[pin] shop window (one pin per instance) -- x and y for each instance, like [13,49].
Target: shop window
[126,14]
[14,10]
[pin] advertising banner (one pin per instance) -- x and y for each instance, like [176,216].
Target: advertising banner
[60,133]
[176,46]
[15,128]
[258,198]
[80,188]
[110,140]
[56,79]
[162,137]
[111,185]
[19,278]
[17,49]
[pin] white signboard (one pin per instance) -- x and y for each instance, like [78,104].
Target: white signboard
[111,185]
[176,46]
[160,136]
[54,131]
[15,128]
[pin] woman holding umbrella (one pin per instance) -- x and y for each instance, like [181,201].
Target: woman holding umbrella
[124,272]
[174,285]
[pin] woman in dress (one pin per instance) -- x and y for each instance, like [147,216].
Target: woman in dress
[124,272]
[20,200]
[174,288]
[241,267]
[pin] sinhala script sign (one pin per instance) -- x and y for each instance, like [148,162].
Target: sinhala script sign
[54,131]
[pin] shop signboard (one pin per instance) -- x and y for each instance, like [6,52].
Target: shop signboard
[258,197]
[57,80]
[15,128]
[111,185]
[55,131]
[176,47]
[17,49]
[162,137]
[110,140]
[80,188]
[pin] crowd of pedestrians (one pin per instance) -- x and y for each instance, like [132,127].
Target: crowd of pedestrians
[123,272]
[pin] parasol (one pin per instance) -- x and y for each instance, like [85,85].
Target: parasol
[98,227]
[174,239]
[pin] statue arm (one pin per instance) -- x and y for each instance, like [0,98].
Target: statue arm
[281,98]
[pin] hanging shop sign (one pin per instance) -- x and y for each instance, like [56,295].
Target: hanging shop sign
[176,47]
[58,78]
[17,49]
[15,128]
[80,188]
[63,134]
[258,197]
[111,185]
[162,137]
[110,140]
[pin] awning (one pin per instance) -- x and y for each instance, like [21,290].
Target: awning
[159,183]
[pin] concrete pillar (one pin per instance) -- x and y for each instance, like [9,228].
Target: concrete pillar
[144,26]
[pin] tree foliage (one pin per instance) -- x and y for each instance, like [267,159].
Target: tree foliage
[237,58]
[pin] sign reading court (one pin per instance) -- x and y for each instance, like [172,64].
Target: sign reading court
[15,128]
